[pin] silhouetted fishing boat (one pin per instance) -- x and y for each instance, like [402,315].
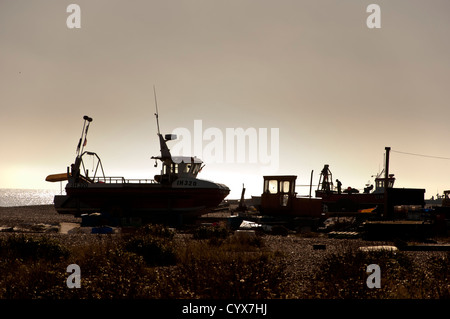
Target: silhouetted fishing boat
[371,200]
[175,195]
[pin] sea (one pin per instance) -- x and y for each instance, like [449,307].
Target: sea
[26,197]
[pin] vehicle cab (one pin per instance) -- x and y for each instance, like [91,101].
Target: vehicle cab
[279,198]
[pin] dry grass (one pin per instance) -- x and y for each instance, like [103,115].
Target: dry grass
[145,265]
[156,263]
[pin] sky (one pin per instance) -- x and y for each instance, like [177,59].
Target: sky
[311,74]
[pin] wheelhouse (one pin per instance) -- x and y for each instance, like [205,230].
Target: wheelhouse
[179,167]
[380,183]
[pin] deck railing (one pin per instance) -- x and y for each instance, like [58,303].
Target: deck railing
[122,180]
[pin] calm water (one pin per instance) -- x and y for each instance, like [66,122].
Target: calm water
[26,197]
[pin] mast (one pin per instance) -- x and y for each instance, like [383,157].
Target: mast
[156,114]
[386,183]
[80,147]
[165,152]
[83,133]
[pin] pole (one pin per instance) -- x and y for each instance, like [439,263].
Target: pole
[386,183]
[89,119]
[81,138]
[310,184]
[156,105]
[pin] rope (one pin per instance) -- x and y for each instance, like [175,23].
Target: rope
[422,155]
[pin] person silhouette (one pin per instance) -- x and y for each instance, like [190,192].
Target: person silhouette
[339,185]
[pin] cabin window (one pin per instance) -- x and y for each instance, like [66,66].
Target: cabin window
[184,168]
[380,184]
[284,187]
[195,169]
[273,186]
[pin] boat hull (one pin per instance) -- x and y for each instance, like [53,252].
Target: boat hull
[355,202]
[334,202]
[140,200]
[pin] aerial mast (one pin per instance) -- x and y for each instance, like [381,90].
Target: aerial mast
[156,114]
[165,152]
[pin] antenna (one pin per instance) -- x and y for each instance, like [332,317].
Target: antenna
[165,152]
[156,114]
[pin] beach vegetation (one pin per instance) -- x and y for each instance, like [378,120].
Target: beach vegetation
[158,263]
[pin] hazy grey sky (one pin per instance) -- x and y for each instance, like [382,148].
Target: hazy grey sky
[338,91]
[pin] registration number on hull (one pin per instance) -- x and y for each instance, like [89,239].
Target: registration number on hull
[185,182]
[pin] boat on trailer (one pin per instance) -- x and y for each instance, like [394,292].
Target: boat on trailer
[174,196]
